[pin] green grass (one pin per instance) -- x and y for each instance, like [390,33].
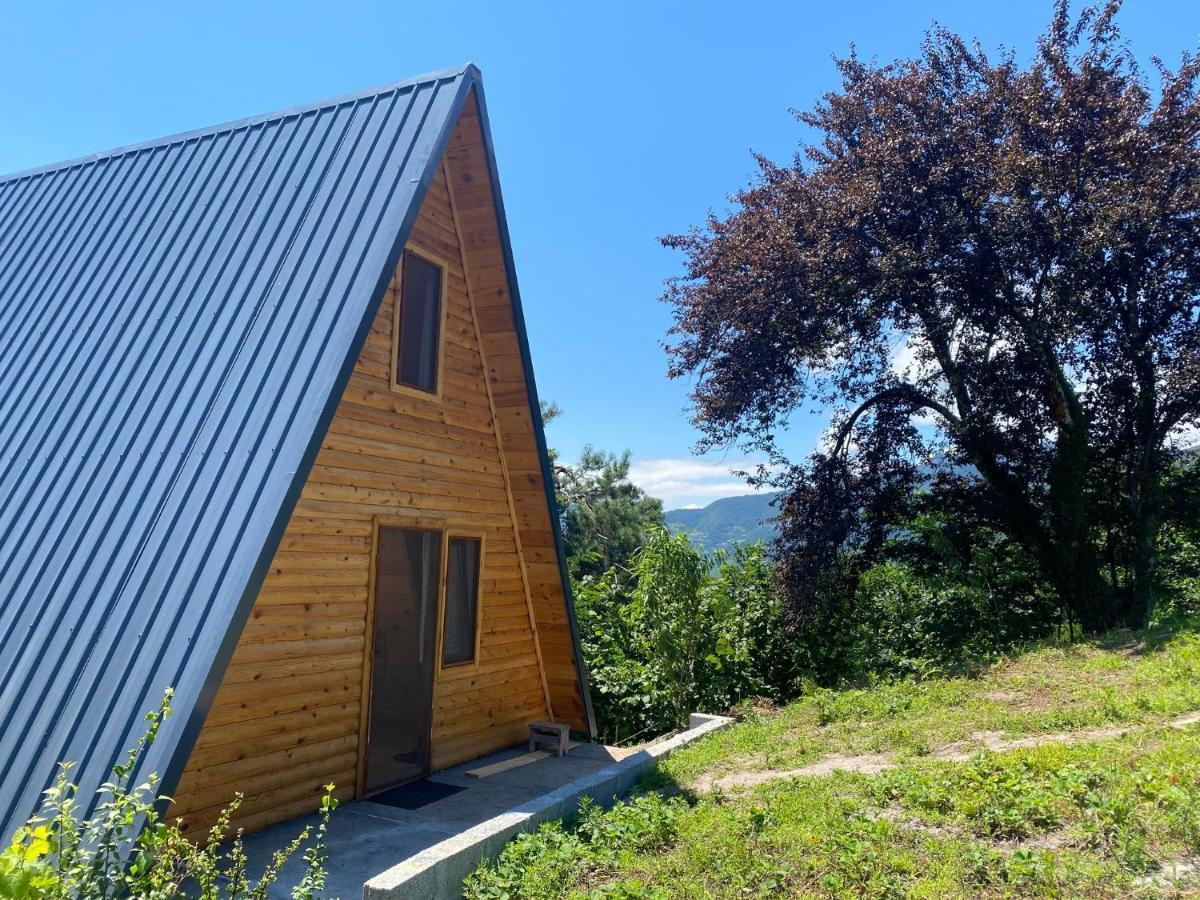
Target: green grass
[1095,818]
[1126,679]
[1089,819]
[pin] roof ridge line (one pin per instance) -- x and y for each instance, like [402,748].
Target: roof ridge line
[468,70]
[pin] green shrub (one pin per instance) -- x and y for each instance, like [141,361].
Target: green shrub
[126,849]
[942,594]
[1179,573]
[683,631]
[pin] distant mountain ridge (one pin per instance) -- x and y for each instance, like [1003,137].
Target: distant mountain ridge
[728,521]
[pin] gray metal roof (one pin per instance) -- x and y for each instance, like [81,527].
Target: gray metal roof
[178,320]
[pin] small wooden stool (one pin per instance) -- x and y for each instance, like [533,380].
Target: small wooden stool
[544,732]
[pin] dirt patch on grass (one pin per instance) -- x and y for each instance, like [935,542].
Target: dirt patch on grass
[993,741]
[902,819]
[1173,874]
[957,751]
[865,763]
[1003,696]
[1050,840]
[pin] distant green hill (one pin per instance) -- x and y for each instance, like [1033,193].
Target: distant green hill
[729,521]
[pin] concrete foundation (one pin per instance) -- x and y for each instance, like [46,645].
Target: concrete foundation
[427,852]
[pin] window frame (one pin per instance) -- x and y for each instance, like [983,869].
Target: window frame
[396,384]
[452,534]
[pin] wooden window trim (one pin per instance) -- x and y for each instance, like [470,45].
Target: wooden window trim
[398,298]
[472,663]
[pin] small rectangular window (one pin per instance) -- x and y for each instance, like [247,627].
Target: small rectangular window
[462,601]
[418,323]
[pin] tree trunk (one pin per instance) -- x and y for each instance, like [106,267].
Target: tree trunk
[1145,488]
[1145,513]
[1072,563]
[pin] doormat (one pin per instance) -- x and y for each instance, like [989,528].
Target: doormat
[416,794]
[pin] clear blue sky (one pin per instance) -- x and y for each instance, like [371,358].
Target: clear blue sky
[614,124]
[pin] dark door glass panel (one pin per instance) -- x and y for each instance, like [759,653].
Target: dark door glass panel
[406,593]
[420,319]
[462,597]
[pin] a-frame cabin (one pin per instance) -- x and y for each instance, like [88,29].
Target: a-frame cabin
[270,437]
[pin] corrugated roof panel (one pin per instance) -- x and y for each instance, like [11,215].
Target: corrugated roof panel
[177,322]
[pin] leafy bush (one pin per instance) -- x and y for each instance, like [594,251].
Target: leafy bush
[540,863]
[1179,573]
[125,849]
[908,623]
[682,631]
[943,593]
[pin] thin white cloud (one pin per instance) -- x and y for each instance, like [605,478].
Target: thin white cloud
[690,482]
[907,367]
[1185,436]
[904,359]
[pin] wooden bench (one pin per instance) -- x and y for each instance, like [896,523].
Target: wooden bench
[547,732]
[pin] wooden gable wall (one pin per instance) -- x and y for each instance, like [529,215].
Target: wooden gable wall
[471,186]
[290,714]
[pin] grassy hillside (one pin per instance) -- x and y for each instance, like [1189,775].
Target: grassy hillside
[1067,771]
[725,522]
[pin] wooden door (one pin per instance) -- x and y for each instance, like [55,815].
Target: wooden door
[407,585]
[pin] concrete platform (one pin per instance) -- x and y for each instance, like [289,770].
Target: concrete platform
[378,851]
[367,838]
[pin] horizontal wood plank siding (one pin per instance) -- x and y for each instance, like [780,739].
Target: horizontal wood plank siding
[471,188]
[290,711]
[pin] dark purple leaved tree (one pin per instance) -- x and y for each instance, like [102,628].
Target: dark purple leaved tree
[985,263]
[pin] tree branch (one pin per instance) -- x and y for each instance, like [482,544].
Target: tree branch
[917,398]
